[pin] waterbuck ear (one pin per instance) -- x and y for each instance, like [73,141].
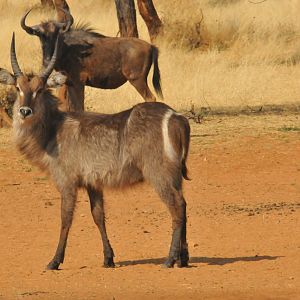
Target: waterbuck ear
[56,79]
[6,77]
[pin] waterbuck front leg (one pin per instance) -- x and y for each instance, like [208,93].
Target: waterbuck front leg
[97,209]
[68,200]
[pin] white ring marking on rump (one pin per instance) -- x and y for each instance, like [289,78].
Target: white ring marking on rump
[168,148]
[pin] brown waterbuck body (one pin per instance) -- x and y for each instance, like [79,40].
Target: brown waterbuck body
[92,59]
[92,151]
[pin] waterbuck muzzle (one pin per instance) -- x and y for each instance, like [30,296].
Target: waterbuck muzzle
[25,111]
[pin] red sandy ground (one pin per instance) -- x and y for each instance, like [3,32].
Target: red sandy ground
[243,224]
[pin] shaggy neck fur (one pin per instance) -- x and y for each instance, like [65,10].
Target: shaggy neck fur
[34,136]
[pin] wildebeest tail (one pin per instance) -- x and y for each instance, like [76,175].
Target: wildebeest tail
[156,73]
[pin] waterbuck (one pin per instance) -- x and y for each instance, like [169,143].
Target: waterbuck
[92,59]
[92,151]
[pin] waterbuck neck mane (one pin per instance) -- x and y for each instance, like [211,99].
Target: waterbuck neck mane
[38,138]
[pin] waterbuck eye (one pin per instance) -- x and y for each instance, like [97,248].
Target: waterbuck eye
[19,91]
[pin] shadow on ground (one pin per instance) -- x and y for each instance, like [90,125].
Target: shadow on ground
[219,261]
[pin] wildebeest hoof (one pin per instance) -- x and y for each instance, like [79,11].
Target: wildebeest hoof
[53,265]
[109,263]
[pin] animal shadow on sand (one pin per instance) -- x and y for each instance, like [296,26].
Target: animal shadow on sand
[218,261]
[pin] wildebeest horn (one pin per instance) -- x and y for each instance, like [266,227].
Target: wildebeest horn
[45,74]
[69,20]
[31,30]
[13,58]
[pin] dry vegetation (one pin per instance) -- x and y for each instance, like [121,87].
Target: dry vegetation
[240,53]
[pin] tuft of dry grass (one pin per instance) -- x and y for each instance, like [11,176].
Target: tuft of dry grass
[214,53]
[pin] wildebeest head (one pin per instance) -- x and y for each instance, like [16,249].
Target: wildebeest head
[48,33]
[30,87]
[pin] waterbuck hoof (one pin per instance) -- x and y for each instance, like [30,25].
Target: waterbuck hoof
[109,263]
[182,263]
[169,263]
[183,259]
[53,265]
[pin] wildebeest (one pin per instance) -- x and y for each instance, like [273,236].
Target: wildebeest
[92,151]
[92,59]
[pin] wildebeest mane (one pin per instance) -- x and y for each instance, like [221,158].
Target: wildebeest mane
[86,27]
[81,38]
[79,26]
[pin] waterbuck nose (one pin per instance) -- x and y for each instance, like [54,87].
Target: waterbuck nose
[25,111]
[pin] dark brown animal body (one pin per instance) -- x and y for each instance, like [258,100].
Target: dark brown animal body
[92,59]
[87,150]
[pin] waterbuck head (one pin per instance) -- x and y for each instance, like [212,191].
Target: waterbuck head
[48,32]
[30,88]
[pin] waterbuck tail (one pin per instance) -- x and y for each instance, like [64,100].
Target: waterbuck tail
[185,140]
[185,171]
[156,73]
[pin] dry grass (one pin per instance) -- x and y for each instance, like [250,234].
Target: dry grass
[240,54]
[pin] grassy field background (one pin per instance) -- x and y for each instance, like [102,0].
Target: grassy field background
[214,53]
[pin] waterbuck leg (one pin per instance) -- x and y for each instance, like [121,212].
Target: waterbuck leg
[142,87]
[68,200]
[177,213]
[184,252]
[97,209]
[177,207]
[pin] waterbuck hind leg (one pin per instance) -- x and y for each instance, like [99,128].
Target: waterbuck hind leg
[97,209]
[68,200]
[184,252]
[177,207]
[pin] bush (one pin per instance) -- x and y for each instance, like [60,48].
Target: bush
[7,99]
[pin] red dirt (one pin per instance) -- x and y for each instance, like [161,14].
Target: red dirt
[243,224]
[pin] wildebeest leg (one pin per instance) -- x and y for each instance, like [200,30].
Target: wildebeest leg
[177,207]
[71,97]
[142,87]
[76,96]
[96,199]
[61,93]
[68,200]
